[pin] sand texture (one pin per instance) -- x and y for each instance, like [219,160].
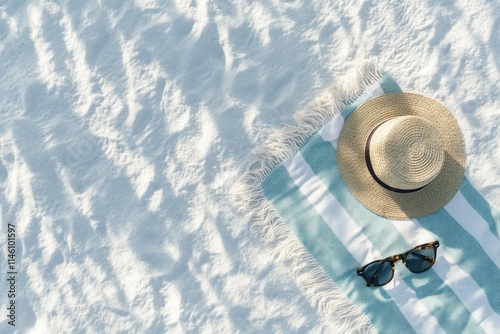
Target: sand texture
[124,124]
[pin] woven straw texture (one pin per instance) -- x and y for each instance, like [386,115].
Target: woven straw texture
[387,203]
[406,152]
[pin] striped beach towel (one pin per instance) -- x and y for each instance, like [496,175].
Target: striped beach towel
[295,195]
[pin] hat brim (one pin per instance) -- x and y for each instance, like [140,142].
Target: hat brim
[384,202]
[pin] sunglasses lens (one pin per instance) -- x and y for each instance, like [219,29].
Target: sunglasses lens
[378,273]
[420,260]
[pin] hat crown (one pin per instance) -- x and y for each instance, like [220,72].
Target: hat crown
[406,152]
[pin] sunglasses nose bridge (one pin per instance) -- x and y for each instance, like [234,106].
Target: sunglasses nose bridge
[399,257]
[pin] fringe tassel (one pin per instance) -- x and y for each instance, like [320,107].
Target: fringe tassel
[278,239]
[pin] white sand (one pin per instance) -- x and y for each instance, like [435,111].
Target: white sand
[123,126]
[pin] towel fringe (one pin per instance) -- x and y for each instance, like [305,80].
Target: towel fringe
[278,239]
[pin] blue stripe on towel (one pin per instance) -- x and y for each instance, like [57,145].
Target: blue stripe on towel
[389,85]
[321,157]
[324,246]
[467,252]
[488,212]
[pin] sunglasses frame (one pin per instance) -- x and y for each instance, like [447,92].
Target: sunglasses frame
[400,257]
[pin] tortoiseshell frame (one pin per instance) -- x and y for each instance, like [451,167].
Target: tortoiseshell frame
[400,257]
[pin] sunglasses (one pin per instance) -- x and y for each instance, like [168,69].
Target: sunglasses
[417,260]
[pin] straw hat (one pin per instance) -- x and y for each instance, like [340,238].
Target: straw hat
[402,155]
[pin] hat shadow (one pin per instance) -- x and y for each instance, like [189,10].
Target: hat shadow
[433,196]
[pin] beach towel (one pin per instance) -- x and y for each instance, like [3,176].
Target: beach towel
[296,199]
